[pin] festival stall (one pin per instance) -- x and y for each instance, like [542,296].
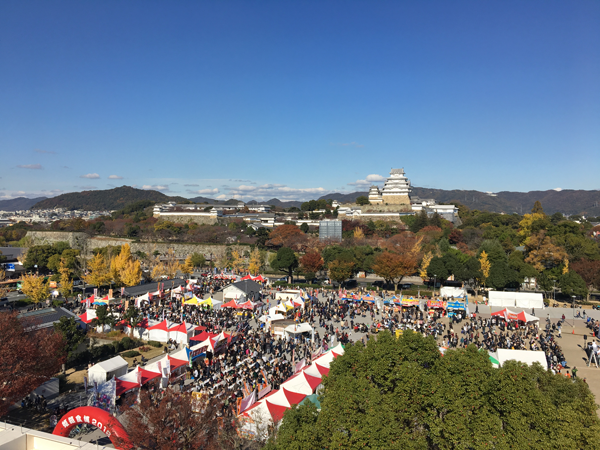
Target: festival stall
[182,332]
[507,315]
[299,328]
[408,304]
[105,370]
[159,332]
[455,307]
[436,305]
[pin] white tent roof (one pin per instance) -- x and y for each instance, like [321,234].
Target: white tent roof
[298,328]
[110,365]
[524,356]
[272,317]
[516,299]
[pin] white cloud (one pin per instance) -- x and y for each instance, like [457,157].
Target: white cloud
[115,177]
[373,178]
[280,191]
[31,194]
[557,189]
[221,197]
[30,166]
[204,191]
[155,187]
[91,176]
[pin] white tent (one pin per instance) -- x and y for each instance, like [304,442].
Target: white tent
[298,328]
[516,299]
[105,370]
[452,291]
[525,356]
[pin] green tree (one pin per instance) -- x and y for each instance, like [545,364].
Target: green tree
[198,260]
[537,208]
[398,393]
[72,334]
[285,261]
[340,271]
[133,316]
[362,200]
[304,227]
[103,317]
[571,283]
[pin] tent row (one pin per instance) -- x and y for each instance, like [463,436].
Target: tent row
[293,391]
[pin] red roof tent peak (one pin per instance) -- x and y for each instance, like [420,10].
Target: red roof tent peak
[293,397]
[164,326]
[176,363]
[276,411]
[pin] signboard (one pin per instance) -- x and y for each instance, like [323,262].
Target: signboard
[199,351]
[53,285]
[9,267]
[264,391]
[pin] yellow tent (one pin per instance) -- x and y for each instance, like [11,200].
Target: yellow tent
[193,301]
[207,302]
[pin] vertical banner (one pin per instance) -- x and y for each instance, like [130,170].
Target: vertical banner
[168,367]
[95,292]
[139,377]
[159,364]
[122,291]
[110,293]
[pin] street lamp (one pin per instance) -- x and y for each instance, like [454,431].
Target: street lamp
[573,308]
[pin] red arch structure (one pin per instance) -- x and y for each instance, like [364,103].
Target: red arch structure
[96,417]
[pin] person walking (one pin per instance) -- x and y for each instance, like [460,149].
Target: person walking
[574,371]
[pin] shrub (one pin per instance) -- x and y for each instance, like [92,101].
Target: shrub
[113,333]
[144,349]
[155,344]
[130,354]
[127,343]
[118,346]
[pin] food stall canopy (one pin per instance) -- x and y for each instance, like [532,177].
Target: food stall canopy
[298,328]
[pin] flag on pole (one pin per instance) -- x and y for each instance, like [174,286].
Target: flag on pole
[159,365]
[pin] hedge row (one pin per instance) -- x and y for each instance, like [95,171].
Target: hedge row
[102,351]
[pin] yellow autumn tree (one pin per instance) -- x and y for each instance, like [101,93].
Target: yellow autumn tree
[124,269]
[425,264]
[485,265]
[566,267]
[255,264]
[542,252]
[238,262]
[131,273]
[358,233]
[527,224]
[35,288]
[167,266]
[99,271]
[66,284]
[187,267]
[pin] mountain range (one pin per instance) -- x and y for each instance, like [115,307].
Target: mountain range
[19,203]
[565,201]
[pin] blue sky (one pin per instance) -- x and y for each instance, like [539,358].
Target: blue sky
[295,99]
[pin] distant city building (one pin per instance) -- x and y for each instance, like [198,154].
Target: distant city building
[330,230]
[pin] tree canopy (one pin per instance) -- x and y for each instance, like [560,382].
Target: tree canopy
[399,393]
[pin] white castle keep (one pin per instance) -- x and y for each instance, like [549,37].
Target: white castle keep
[396,190]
